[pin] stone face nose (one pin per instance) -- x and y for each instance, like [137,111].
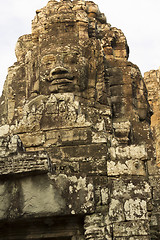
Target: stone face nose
[58,70]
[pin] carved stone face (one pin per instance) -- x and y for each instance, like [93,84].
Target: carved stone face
[64,69]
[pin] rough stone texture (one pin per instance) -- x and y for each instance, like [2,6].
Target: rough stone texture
[152,79]
[77,157]
[152,82]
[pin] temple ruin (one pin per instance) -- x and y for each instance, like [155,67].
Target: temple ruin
[79,148]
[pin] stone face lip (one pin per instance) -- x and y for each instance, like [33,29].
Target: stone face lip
[60,81]
[77,157]
[61,77]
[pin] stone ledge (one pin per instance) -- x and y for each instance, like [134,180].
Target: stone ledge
[23,163]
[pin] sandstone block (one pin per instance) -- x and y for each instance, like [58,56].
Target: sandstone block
[41,197]
[131,228]
[94,227]
[135,187]
[116,212]
[135,209]
[121,167]
[32,139]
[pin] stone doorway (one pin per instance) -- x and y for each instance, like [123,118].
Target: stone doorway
[48,228]
[58,238]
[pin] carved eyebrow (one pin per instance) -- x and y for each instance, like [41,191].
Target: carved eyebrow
[47,58]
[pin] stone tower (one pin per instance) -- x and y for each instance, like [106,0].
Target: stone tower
[77,159]
[152,80]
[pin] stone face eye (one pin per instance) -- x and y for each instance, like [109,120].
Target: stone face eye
[71,58]
[48,60]
[48,64]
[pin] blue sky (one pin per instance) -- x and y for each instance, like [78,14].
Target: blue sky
[138,19]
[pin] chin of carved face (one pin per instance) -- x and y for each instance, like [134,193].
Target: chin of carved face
[60,88]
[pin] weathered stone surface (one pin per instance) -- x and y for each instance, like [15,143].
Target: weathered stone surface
[152,82]
[42,196]
[127,160]
[34,190]
[94,227]
[4,130]
[77,157]
[78,193]
[133,238]
[116,211]
[131,228]
[4,199]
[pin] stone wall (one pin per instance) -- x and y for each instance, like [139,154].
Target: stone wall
[152,82]
[77,157]
[152,79]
